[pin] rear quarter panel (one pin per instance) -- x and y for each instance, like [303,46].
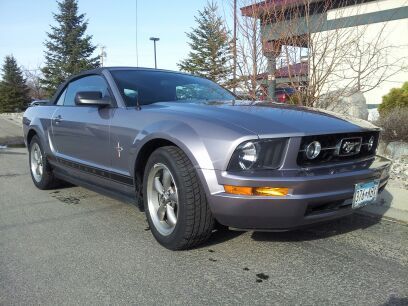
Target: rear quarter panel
[38,119]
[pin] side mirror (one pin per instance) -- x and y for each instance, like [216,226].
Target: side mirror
[91,98]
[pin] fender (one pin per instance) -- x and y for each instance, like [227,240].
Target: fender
[40,123]
[180,134]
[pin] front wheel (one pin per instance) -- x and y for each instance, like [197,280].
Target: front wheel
[174,200]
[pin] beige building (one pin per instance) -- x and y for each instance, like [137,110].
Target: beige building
[351,45]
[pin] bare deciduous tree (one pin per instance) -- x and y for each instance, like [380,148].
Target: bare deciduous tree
[343,54]
[250,60]
[33,77]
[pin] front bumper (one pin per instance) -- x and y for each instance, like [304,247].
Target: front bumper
[317,195]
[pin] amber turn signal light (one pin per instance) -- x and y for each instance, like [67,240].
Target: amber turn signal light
[257,191]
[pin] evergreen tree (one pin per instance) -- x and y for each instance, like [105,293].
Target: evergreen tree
[13,88]
[210,54]
[69,49]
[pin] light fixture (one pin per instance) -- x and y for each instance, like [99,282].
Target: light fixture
[248,155]
[313,150]
[257,191]
[370,143]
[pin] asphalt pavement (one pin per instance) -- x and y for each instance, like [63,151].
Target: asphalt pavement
[73,246]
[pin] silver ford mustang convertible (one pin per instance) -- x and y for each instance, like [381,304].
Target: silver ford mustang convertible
[184,149]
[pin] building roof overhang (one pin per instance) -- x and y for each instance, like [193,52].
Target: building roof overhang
[256,10]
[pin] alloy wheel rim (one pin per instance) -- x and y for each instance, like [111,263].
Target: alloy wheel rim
[36,162]
[162,197]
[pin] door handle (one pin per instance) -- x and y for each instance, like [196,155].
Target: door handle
[58,119]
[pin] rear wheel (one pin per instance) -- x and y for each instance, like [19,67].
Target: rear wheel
[41,172]
[175,203]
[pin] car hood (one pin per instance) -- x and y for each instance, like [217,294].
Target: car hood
[272,118]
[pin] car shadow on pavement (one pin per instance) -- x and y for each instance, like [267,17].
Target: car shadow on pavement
[323,230]
[382,205]
[396,301]
[220,236]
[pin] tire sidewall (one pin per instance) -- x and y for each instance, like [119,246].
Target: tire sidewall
[42,184]
[164,157]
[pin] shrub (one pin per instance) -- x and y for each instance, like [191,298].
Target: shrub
[396,98]
[395,125]
[299,98]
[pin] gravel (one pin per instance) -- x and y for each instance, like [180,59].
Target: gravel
[399,171]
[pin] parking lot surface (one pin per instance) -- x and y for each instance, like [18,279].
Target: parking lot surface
[73,246]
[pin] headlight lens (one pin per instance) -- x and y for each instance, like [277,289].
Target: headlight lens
[258,154]
[313,150]
[248,155]
[370,144]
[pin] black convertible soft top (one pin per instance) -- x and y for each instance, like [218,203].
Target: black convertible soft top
[99,72]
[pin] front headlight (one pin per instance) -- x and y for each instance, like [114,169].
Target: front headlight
[258,154]
[248,155]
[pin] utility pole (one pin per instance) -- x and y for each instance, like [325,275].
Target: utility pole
[234,71]
[102,55]
[137,49]
[271,75]
[154,39]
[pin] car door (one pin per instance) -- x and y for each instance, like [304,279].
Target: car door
[80,134]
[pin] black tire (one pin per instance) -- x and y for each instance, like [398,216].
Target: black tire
[194,221]
[48,179]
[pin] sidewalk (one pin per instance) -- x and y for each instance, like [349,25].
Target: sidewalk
[11,132]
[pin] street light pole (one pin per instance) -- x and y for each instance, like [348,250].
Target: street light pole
[234,71]
[102,55]
[154,39]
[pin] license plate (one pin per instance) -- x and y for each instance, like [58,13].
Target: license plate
[365,193]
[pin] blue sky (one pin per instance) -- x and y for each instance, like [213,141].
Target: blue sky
[24,23]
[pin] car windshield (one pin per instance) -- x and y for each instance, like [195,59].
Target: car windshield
[147,87]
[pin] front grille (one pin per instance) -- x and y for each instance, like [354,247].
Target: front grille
[330,143]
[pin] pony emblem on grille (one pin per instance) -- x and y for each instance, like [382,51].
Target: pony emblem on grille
[348,146]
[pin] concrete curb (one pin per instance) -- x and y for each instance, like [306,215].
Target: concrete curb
[11,133]
[12,141]
[390,213]
[392,203]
